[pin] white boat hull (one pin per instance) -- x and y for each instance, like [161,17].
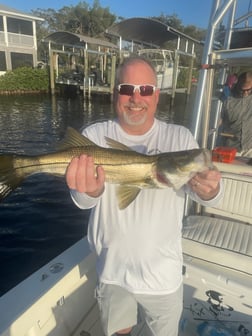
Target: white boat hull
[164,79]
[217,300]
[58,299]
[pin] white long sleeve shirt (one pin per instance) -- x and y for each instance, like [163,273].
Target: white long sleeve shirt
[139,248]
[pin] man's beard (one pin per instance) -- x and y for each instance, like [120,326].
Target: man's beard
[130,119]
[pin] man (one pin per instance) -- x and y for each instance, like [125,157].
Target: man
[228,86]
[237,116]
[139,248]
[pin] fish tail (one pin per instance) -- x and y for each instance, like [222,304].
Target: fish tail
[10,179]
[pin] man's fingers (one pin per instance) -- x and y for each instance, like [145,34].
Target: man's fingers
[100,175]
[71,173]
[82,176]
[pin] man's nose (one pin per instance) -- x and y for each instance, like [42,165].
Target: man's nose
[136,94]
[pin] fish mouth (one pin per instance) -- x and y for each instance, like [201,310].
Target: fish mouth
[163,180]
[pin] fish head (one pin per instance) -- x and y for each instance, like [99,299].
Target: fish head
[177,168]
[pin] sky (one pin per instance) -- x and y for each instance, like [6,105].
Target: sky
[194,12]
[190,12]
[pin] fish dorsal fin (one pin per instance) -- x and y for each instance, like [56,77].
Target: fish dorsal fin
[117,145]
[126,195]
[74,139]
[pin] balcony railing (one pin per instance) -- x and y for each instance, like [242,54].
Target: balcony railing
[17,40]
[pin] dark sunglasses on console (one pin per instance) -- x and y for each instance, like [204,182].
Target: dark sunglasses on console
[129,89]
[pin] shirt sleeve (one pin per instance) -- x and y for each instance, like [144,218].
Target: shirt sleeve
[212,202]
[82,200]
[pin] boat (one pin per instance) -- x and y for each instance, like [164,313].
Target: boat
[58,299]
[163,61]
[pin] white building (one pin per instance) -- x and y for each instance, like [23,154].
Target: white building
[18,42]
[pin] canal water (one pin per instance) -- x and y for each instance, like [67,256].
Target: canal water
[38,220]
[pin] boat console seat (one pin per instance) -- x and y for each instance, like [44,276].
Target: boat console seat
[223,234]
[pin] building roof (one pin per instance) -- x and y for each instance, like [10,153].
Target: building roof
[78,40]
[145,30]
[14,12]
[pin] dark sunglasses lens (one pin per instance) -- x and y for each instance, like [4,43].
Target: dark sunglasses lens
[246,90]
[146,90]
[126,89]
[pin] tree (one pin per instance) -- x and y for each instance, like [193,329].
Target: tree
[81,19]
[170,20]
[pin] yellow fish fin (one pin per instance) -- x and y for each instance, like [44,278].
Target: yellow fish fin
[126,195]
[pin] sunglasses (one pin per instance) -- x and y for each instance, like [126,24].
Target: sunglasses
[246,90]
[129,89]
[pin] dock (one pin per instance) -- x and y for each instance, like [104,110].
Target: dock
[89,64]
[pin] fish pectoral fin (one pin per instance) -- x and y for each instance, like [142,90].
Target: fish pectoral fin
[126,195]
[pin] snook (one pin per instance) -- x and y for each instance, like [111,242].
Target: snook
[130,170]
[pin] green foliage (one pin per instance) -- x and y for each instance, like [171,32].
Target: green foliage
[170,20]
[183,75]
[80,19]
[25,79]
[182,78]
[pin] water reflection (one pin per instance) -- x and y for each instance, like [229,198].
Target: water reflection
[38,221]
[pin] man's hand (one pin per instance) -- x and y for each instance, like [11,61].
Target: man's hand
[206,184]
[81,175]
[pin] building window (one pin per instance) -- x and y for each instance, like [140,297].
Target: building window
[21,60]
[19,26]
[1,23]
[2,61]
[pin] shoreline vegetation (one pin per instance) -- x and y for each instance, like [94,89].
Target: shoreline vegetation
[21,92]
[25,80]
